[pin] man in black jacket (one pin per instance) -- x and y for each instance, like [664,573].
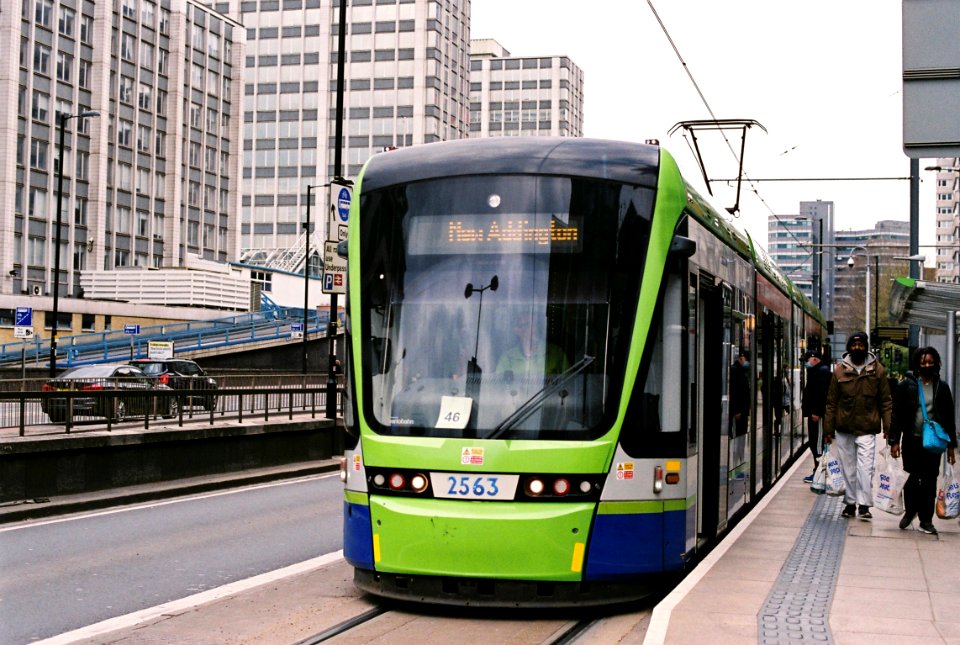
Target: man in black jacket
[813,403]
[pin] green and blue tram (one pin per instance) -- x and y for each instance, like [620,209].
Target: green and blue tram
[543,340]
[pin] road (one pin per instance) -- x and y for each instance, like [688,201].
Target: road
[63,574]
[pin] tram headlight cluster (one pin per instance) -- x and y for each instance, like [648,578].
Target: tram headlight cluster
[401,482]
[556,486]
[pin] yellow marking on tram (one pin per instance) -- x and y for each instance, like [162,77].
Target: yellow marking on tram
[577,564]
[376,547]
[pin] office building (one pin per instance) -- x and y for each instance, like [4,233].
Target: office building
[150,182]
[948,220]
[406,80]
[523,96]
[802,246]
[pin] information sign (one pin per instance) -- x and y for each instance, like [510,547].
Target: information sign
[334,269]
[160,350]
[131,329]
[23,317]
[22,332]
[341,195]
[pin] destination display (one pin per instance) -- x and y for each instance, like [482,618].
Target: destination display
[498,233]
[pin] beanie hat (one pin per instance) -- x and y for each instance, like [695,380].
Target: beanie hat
[860,335]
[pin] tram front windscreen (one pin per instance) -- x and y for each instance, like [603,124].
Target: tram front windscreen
[499,306]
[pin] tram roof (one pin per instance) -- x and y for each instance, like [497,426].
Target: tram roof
[633,163]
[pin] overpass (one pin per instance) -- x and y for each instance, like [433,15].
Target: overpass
[264,339]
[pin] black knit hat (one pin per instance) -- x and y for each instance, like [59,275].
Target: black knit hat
[860,335]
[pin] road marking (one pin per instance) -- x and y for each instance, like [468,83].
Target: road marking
[144,615]
[660,619]
[80,515]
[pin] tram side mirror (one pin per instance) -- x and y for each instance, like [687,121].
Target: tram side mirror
[342,249]
[380,355]
[682,247]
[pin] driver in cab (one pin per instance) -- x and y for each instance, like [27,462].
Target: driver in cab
[532,354]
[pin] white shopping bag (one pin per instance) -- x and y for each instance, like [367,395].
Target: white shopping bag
[888,489]
[819,483]
[835,485]
[948,494]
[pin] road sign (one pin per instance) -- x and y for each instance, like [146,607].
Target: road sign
[22,332]
[131,329]
[334,270]
[341,195]
[296,327]
[23,317]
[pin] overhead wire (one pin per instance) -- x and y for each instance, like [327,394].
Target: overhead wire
[703,98]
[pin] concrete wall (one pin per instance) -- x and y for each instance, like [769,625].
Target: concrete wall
[68,464]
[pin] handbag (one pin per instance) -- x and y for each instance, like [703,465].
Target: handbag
[935,438]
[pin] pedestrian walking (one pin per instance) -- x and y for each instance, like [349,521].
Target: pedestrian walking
[813,403]
[859,407]
[906,435]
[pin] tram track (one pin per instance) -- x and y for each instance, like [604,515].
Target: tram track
[411,625]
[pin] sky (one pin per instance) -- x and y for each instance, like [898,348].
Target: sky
[823,77]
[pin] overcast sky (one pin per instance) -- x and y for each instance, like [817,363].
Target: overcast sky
[822,76]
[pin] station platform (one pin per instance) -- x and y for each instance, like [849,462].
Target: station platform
[794,571]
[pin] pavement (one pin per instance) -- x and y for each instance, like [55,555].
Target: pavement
[794,571]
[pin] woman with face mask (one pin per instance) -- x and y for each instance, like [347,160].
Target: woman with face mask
[906,436]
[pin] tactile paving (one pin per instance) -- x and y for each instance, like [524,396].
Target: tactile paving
[798,607]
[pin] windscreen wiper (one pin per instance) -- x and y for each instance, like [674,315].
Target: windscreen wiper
[530,405]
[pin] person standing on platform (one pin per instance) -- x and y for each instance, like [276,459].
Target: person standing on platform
[859,407]
[906,435]
[813,403]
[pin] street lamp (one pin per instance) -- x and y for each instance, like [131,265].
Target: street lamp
[306,275]
[56,250]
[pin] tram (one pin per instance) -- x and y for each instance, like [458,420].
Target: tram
[544,377]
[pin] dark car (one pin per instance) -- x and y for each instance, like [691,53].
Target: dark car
[181,374]
[114,391]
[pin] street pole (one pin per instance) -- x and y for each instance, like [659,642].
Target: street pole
[306,279]
[876,290]
[331,407]
[866,305]
[57,236]
[913,333]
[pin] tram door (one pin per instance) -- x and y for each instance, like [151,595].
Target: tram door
[710,386]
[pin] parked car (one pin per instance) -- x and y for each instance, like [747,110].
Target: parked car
[135,393]
[181,374]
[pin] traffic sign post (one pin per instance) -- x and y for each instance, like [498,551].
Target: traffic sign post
[131,330]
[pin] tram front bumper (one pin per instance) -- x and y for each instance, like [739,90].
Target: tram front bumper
[480,539]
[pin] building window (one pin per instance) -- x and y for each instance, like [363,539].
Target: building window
[122,220]
[36,251]
[146,55]
[126,90]
[41,106]
[165,22]
[80,264]
[158,226]
[64,66]
[83,164]
[143,138]
[127,47]
[143,97]
[160,149]
[128,9]
[147,13]
[143,221]
[80,211]
[84,77]
[143,181]
[121,258]
[88,322]
[41,59]
[67,17]
[38,154]
[43,12]
[123,133]
[86,30]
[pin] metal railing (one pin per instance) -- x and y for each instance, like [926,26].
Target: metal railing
[28,408]
[115,345]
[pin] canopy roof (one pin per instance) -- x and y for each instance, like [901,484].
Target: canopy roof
[927,304]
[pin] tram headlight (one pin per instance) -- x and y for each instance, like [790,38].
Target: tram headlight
[561,487]
[379,480]
[397,481]
[585,486]
[343,470]
[535,487]
[418,483]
